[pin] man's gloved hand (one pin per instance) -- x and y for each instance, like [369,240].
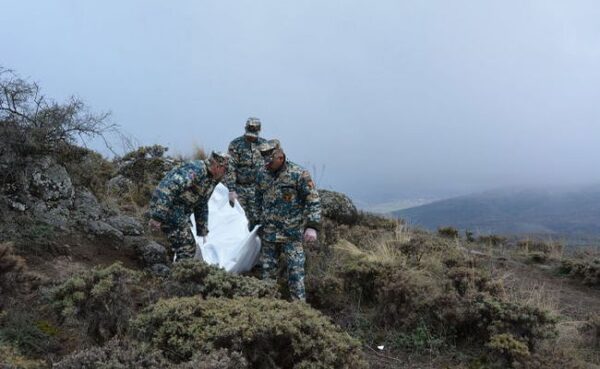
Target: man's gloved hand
[154,225]
[310,235]
[232,196]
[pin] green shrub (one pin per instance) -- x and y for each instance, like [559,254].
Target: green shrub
[194,277]
[270,333]
[469,279]
[144,167]
[103,300]
[20,329]
[406,298]
[325,291]
[588,271]
[361,278]
[525,323]
[448,232]
[508,347]
[125,354]
[461,311]
[419,339]
[421,244]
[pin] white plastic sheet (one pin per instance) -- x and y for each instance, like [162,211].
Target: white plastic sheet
[229,243]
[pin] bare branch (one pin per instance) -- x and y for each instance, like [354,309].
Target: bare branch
[43,124]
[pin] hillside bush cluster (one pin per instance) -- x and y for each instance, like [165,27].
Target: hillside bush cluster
[101,300]
[104,299]
[22,329]
[228,322]
[192,277]
[430,294]
[270,333]
[448,232]
[126,353]
[588,271]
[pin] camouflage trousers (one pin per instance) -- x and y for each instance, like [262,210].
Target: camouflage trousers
[181,239]
[247,198]
[294,255]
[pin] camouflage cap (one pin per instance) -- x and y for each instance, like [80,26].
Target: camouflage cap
[252,127]
[269,146]
[218,157]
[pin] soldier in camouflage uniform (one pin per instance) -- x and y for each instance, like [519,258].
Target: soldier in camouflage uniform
[289,211]
[186,190]
[246,161]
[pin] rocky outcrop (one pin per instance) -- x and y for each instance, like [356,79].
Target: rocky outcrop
[127,225]
[49,181]
[85,206]
[338,207]
[104,231]
[151,253]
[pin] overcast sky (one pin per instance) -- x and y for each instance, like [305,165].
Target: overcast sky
[382,99]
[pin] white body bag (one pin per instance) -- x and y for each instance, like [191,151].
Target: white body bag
[229,244]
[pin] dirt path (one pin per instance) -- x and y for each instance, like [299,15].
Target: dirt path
[543,287]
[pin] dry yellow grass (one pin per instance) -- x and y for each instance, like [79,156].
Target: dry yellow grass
[384,248]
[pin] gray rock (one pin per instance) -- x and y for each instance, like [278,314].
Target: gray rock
[151,253]
[57,215]
[129,226]
[119,185]
[161,270]
[86,206]
[103,230]
[49,181]
[338,207]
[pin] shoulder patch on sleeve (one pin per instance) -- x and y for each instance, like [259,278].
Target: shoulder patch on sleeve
[308,179]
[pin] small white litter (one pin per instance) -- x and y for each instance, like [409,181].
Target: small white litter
[229,243]
[380,347]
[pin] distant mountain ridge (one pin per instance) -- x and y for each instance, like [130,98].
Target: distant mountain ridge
[571,212]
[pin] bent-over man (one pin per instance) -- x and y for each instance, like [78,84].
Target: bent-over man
[184,190]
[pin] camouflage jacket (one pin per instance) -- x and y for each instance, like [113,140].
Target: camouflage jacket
[287,202]
[245,161]
[183,191]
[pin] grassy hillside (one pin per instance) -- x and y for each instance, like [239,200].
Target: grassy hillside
[572,213]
